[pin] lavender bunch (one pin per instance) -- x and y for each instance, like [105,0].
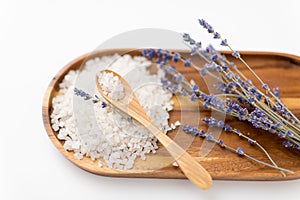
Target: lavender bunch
[270,113]
[177,83]
[238,97]
[262,108]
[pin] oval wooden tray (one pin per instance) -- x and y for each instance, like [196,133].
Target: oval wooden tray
[277,69]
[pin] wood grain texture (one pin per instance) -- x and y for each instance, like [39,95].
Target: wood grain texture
[277,69]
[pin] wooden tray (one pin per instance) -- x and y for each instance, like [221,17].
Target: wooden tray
[277,69]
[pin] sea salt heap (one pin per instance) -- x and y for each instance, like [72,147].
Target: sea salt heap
[107,135]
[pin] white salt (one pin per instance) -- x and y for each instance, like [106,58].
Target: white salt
[192,82]
[175,164]
[172,126]
[100,164]
[177,123]
[89,130]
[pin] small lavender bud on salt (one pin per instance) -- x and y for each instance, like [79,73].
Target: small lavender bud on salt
[95,101]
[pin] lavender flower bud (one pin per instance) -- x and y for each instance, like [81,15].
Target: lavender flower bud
[265,86]
[236,54]
[224,42]
[240,151]
[187,63]
[217,35]
[186,37]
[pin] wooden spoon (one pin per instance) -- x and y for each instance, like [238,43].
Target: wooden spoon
[130,105]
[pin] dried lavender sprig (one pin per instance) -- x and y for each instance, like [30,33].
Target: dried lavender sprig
[212,122]
[211,50]
[87,97]
[274,116]
[224,42]
[259,119]
[239,151]
[202,53]
[189,42]
[95,99]
[236,54]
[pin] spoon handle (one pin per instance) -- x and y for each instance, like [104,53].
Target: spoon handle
[189,166]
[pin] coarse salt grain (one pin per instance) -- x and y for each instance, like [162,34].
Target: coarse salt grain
[177,123]
[105,133]
[192,82]
[172,126]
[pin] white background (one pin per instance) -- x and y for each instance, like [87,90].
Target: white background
[37,38]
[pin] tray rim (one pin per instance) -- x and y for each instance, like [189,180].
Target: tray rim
[148,174]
